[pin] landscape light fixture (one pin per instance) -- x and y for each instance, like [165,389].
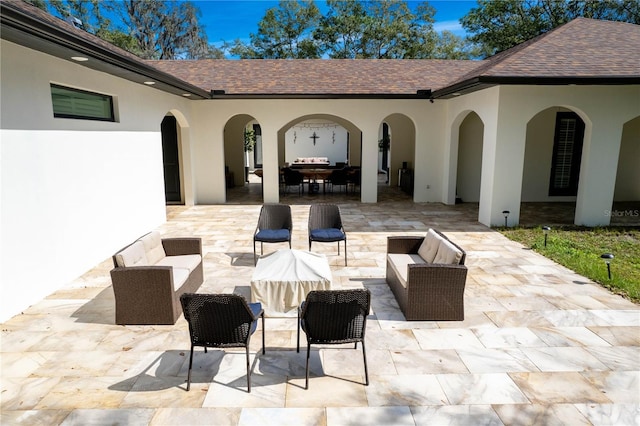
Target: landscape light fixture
[545,231]
[506,215]
[607,257]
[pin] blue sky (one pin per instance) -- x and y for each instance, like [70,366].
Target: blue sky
[236,19]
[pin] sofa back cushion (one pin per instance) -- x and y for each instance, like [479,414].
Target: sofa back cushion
[429,247]
[448,253]
[133,255]
[153,247]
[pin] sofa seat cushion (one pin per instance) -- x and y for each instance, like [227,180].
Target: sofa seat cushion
[186,261]
[429,247]
[276,235]
[448,254]
[400,263]
[180,276]
[327,234]
[153,247]
[133,255]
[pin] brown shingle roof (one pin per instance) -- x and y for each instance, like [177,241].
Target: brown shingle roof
[581,48]
[317,76]
[597,51]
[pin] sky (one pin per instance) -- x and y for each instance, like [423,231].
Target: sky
[228,20]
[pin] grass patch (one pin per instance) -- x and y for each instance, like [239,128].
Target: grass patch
[579,249]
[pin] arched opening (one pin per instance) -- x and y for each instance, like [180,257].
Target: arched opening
[174,131]
[469,165]
[396,153]
[323,143]
[552,161]
[242,155]
[626,196]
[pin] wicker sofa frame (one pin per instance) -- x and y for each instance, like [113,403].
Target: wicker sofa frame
[145,295]
[434,292]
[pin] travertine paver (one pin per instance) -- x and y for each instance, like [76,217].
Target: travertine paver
[539,344]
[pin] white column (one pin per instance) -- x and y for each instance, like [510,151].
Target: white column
[270,170]
[502,166]
[369,165]
[598,170]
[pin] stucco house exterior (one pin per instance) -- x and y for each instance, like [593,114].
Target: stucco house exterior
[554,119]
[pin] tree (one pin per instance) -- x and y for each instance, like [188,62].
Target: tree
[283,33]
[385,29]
[381,29]
[497,25]
[149,29]
[167,30]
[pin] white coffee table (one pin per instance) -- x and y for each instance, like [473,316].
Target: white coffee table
[283,278]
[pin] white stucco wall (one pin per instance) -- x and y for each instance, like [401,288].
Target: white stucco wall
[210,117]
[605,110]
[331,141]
[72,191]
[628,176]
[470,159]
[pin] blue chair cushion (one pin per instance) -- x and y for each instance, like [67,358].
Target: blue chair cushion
[328,234]
[277,235]
[255,308]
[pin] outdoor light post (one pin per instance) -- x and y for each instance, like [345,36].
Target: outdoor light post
[545,231]
[506,215]
[607,257]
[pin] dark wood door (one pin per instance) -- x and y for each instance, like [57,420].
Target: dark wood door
[170,159]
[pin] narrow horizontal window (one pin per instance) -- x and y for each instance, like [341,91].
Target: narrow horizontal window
[79,104]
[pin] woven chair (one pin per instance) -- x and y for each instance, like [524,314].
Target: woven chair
[221,321]
[325,226]
[333,317]
[293,178]
[338,177]
[274,226]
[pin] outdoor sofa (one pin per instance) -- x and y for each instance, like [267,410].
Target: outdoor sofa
[427,276]
[151,274]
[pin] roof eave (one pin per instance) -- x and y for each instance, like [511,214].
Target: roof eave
[221,95]
[482,82]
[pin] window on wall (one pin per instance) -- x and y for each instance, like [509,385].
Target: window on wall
[567,153]
[80,104]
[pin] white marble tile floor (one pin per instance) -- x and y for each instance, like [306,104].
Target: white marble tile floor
[538,345]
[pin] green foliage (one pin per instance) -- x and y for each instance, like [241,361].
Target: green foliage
[167,30]
[249,140]
[283,33]
[149,29]
[497,25]
[40,4]
[384,29]
[579,249]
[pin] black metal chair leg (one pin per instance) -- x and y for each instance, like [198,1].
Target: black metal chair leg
[248,370]
[190,365]
[306,384]
[263,347]
[366,370]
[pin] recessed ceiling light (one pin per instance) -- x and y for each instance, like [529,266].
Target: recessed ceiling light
[456,94]
[186,95]
[79,58]
[149,83]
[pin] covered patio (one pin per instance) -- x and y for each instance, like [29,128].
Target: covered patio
[539,343]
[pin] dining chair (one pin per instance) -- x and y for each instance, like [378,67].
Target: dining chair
[274,226]
[325,226]
[334,317]
[221,321]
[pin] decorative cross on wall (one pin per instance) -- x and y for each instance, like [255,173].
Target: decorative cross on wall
[314,137]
